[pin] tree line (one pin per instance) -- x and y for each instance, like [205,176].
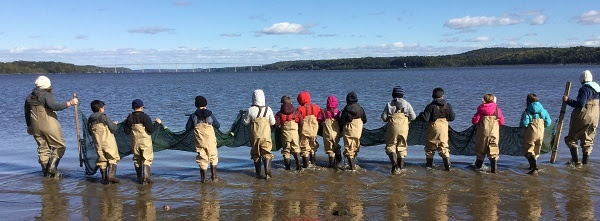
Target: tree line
[16,67]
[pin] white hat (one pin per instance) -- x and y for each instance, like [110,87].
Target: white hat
[586,76]
[42,82]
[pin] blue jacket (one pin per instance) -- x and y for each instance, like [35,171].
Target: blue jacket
[587,91]
[535,110]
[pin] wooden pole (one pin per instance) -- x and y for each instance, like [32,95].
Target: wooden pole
[558,128]
[76,111]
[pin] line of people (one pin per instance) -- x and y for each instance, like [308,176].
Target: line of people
[299,128]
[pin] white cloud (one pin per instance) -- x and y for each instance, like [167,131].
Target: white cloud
[402,44]
[151,30]
[471,22]
[589,18]
[449,40]
[479,39]
[326,35]
[285,28]
[539,20]
[230,35]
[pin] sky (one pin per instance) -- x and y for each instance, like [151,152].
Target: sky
[231,33]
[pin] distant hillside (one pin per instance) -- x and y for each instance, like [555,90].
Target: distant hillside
[51,67]
[480,57]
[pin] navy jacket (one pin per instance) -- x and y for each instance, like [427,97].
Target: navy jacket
[586,92]
[202,114]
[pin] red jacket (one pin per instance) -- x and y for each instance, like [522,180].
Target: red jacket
[286,114]
[307,108]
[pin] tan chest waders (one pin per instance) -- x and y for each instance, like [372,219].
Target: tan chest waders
[331,136]
[289,136]
[206,144]
[352,134]
[488,138]
[583,125]
[437,138]
[533,137]
[261,135]
[308,133]
[106,145]
[397,134]
[141,144]
[47,133]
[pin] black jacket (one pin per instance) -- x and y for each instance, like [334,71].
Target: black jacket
[100,118]
[438,108]
[352,110]
[139,117]
[202,114]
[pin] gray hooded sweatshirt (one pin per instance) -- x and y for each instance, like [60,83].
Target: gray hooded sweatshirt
[398,104]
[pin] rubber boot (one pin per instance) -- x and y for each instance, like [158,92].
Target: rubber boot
[213,173]
[478,164]
[494,165]
[257,167]
[351,163]
[313,158]
[103,174]
[53,166]
[112,172]
[429,162]
[446,163]
[532,165]
[400,163]
[138,171]
[331,162]
[584,159]
[305,161]
[287,162]
[202,175]
[338,157]
[297,158]
[147,175]
[394,162]
[267,162]
[574,156]
[44,169]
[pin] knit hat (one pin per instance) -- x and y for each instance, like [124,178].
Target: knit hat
[397,92]
[586,76]
[437,93]
[137,103]
[42,82]
[200,101]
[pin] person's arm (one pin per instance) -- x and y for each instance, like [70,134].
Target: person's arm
[426,114]
[384,114]
[500,117]
[27,110]
[547,119]
[111,126]
[277,120]
[451,114]
[411,113]
[364,116]
[247,118]
[271,116]
[476,117]
[525,119]
[148,124]
[191,123]
[300,119]
[582,97]
[215,122]
[127,125]
[50,102]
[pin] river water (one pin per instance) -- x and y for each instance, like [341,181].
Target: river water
[559,191]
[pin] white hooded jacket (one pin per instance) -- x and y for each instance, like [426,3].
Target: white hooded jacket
[258,99]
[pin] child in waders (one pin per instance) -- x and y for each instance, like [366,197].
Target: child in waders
[288,120]
[260,118]
[140,128]
[437,114]
[329,119]
[103,135]
[309,129]
[488,120]
[352,119]
[398,113]
[204,123]
[584,118]
[534,119]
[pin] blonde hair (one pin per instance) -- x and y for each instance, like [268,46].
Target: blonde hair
[489,98]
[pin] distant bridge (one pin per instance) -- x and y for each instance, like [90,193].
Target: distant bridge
[182,67]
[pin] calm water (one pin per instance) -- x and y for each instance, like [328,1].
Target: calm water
[558,192]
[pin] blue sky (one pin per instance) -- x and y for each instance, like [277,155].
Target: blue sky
[261,32]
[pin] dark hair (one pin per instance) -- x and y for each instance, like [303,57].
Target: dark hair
[96,105]
[437,93]
[286,99]
[531,98]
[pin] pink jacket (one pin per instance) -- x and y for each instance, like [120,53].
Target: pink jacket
[331,111]
[488,109]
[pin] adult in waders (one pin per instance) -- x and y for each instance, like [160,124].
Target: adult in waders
[398,113]
[488,120]
[329,119]
[584,118]
[42,122]
[260,118]
[288,120]
[534,119]
[352,119]
[102,130]
[309,129]
[437,114]
[204,123]
[140,128]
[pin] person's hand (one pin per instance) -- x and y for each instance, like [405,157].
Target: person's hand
[73,101]
[30,130]
[158,121]
[116,122]
[565,98]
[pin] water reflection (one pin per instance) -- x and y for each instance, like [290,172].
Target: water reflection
[485,199]
[144,203]
[54,203]
[397,203]
[531,207]
[209,207]
[290,205]
[111,205]
[263,208]
[579,205]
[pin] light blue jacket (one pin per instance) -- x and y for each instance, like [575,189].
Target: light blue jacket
[535,110]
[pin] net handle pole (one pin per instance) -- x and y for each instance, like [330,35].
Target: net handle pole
[559,124]
[76,111]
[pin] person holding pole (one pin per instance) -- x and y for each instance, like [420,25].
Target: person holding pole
[584,118]
[42,122]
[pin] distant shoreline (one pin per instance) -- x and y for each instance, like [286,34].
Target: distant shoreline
[486,57]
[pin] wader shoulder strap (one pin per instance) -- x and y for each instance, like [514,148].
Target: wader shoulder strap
[308,110]
[259,111]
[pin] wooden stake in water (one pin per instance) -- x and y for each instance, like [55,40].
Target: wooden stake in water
[76,111]
[559,124]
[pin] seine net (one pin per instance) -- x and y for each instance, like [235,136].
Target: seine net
[461,142]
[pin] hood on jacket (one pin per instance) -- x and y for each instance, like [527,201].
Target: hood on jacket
[593,85]
[351,98]
[287,108]
[439,102]
[332,102]
[94,116]
[203,113]
[258,98]
[535,108]
[488,109]
[303,98]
